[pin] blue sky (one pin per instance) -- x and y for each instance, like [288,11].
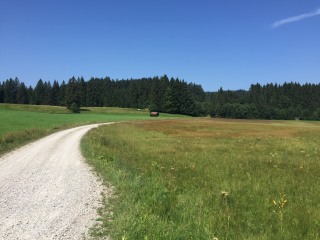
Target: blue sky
[215,43]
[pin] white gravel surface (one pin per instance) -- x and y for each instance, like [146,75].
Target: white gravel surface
[47,191]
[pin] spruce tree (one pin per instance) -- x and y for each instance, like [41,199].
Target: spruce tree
[72,93]
[1,93]
[22,94]
[39,93]
[54,93]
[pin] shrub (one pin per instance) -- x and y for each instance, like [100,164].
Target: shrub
[74,108]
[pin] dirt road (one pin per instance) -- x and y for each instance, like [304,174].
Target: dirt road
[46,189]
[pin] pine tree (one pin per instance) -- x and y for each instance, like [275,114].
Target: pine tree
[10,89]
[54,94]
[158,94]
[31,97]
[82,91]
[47,93]
[39,93]
[62,94]
[22,94]
[1,93]
[72,92]
[93,98]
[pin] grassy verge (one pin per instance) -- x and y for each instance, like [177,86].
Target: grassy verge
[34,108]
[207,179]
[20,124]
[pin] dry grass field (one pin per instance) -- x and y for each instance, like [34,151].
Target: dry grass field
[209,178]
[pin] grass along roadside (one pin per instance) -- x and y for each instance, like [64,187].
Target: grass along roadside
[207,179]
[20,124]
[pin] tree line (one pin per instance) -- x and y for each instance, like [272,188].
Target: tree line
[270,101]
[158,94]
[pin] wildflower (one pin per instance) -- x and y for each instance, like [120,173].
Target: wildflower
[273,155]
[281,203]
[224,194]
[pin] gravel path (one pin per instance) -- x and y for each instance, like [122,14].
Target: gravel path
[46,189]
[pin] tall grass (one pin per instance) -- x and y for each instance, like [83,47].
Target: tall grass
[11,140]
[209,179]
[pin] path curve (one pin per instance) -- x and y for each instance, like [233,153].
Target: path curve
[47,191]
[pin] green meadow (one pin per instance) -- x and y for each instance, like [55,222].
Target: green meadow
[22,123]
[208,179]
[190,178]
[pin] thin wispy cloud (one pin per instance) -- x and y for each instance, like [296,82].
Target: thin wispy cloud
[295,18]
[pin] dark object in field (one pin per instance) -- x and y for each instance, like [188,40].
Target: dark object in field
[154,114]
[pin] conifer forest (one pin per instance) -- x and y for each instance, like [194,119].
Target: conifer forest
[271,101]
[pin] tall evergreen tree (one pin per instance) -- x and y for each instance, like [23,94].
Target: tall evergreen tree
[10,88]
[39,93]
[47,93]
[62,94]
[1,93]
[72,92]
[82,91]
[158,93]
[22,94]
[54,93]
[31,97]
[94,95]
